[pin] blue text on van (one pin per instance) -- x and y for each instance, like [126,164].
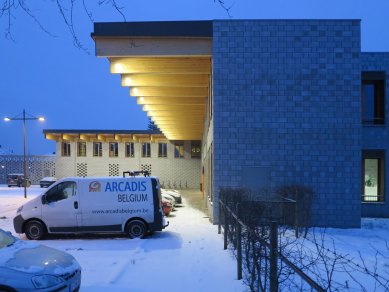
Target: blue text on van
[134,186]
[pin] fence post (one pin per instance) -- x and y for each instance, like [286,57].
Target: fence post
[239,243]
[296,219]
[225,227]
[219,227]
[273,256]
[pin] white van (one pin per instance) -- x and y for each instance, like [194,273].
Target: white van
[129,205]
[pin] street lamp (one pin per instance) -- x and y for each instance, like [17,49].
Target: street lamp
[24,119]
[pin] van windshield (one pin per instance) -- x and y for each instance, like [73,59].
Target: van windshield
[6,239]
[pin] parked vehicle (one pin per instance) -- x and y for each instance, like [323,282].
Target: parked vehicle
[176,195]
[27,266]
[170,199]
[17,180]
[47,181]
[129,205]
[166,207]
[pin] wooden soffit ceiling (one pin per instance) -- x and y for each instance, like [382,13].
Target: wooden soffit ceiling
[169,77]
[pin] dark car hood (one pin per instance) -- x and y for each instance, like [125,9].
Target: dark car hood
[35,258]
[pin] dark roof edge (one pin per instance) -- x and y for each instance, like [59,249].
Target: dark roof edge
[197,28]
[291,19]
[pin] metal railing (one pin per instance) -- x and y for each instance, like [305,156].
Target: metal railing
[271,242]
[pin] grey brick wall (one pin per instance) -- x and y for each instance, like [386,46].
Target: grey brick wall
[287,97]
[377,136]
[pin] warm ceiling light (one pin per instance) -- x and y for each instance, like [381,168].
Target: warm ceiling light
[145,107]
[7,119]
[141,99]
[127,81]
[135,90]
[118,67]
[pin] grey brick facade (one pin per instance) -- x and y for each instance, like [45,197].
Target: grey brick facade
[287,98]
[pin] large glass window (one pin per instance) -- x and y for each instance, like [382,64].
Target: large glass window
[162,149]
[146,150]
[65,149]
[179,150]
[195,149]
[373,175]
[373,97]
[81,149]
[97,149]
[113,149]
[129,148]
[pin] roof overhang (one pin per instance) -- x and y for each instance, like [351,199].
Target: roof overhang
[166,65]
[104,135]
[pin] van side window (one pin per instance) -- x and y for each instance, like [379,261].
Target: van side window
[61,191]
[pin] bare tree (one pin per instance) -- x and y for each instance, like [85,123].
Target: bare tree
[66,10]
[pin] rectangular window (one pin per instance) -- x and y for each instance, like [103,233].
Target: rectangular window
[195,149]
[65,149]
[97,149]
[81,149]
[129,149]
[179,150]
[113,149]
[146,150]
[373,97]
[373,166]
[162,149]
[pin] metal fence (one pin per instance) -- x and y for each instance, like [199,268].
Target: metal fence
[37,166]
[251,228]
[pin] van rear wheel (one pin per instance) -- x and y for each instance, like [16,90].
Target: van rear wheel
[136,229]
[35,230]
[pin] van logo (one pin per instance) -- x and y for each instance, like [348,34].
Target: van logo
[95,186]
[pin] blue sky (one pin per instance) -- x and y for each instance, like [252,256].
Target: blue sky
[49,76]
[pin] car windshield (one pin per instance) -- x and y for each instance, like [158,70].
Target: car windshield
[6,239]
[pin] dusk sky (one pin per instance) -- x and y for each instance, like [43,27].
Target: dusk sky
[49,76]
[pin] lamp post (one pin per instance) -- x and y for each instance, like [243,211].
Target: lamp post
[24,119]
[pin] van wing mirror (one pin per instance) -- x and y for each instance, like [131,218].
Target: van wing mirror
[44,201]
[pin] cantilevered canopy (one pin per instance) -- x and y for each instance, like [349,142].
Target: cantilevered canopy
[167,67]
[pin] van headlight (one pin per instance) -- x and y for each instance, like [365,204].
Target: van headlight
[19,209]
[45,281]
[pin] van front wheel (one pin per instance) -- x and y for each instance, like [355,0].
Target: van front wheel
[35,230]
[136,229]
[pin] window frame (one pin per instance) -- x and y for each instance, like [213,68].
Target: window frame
[195,144]
[148,150]
[380,156]
[100,149]
[132,150]
[79,152]
[378,80]
[179,144]
[115,151]
[65,152]
[162,150]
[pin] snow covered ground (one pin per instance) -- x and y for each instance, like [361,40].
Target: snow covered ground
[187,256]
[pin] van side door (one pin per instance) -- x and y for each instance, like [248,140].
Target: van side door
[60,209]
